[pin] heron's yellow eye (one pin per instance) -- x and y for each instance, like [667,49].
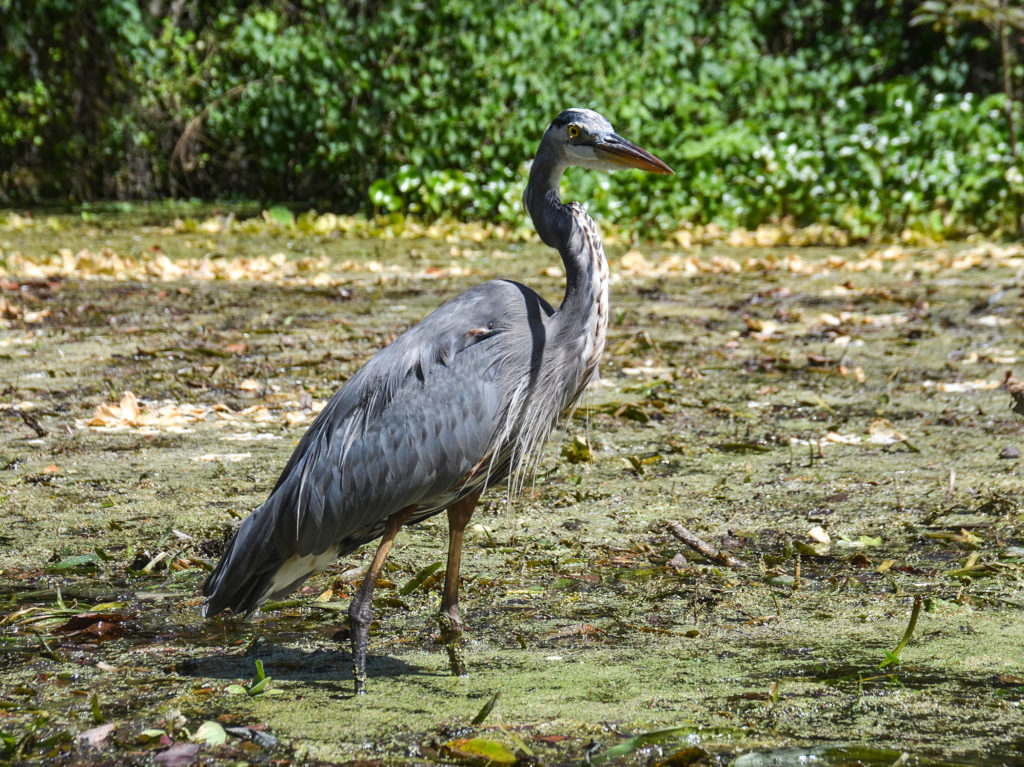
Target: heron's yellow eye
[574,131]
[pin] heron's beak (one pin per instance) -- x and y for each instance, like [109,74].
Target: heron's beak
[618,151]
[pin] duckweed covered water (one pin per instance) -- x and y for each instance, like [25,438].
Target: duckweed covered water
[836,427]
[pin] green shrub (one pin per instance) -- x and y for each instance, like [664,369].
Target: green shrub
[817,112]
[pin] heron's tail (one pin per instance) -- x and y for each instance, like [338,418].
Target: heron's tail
[261,563]
[243,576]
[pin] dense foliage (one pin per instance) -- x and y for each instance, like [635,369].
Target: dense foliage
[841,113]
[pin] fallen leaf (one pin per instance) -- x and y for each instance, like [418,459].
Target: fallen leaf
[480,748]
[634,262]
[211,733]
[102,625]
[819,534]
[960,387]
[843,439]
[861,542]
[882,432]
[95,736]
[808,550]
[629,745]
[179,754]
[859,560]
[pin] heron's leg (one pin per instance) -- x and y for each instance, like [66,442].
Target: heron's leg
[360,609]
[451,624]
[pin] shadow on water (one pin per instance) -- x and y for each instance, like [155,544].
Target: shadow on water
[290,664]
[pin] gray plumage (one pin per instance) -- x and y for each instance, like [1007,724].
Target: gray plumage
[405,430]
[462,400]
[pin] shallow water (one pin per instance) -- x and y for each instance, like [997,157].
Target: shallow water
[749,406]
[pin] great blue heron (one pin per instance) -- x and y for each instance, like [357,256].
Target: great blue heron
[457,403]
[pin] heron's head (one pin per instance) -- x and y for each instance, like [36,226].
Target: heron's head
[584,138]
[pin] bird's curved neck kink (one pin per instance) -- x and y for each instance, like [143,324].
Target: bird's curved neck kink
[568,229]
[565,227]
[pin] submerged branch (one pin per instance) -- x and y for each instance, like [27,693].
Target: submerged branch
[704,548]
[28,418]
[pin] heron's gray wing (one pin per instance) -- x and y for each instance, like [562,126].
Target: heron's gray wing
[405,430]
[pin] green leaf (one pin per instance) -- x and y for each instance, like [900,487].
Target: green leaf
[382,195]
[417,580]
[482,748]
[486,709]
[8,743]
[80,560]
[97,714]
[894,656]
[637,741]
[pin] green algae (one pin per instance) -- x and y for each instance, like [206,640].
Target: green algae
[580,613]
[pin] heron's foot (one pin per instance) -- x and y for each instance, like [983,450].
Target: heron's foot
[359,630]
[359,668]
[451,638]
[359,677]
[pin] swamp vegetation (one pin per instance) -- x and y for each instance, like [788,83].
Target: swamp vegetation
[831,417]
[867,116]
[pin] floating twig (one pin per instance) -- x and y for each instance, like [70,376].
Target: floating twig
[703,548]
[28,418]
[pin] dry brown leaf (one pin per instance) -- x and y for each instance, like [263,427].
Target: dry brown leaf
[150,418]
[296,417]
[633,262]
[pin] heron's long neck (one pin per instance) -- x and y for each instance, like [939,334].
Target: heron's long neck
[582,319]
